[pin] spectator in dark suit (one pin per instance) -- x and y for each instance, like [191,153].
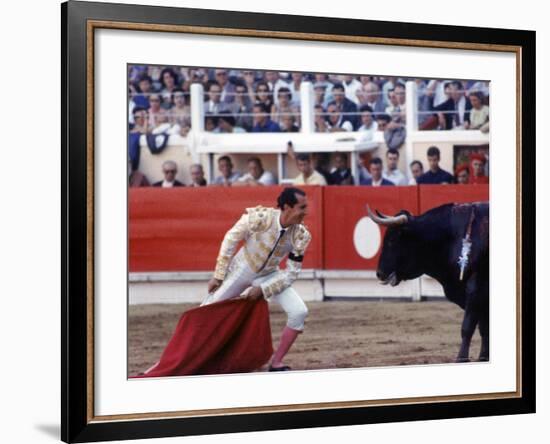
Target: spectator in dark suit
[242,108]
[376,179]
[434,175]
[197,175]
[417,169]
[214,105]
[169,169]
[340,174]
[337,121]
[344,105]
[454,113]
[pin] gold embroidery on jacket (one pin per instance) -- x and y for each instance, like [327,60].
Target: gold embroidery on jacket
[258,228]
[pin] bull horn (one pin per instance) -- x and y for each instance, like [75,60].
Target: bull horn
[388,221]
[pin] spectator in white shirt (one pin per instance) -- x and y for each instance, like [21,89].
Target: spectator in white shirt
[322,81]
[351,87]
[336,121]
[294,87]
[400,96]
[307,176]
[392,173]
[367,121]
[479,114]
[275,83]
[256,175]
[228,177]
[439,90]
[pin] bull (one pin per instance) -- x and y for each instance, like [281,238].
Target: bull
[450,243]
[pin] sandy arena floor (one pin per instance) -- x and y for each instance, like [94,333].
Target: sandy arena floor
[339,334]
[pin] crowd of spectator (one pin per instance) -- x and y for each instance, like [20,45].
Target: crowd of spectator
[315,170]
[269,101]
[237,101]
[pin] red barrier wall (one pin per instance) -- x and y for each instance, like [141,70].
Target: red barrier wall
[431,196]
[351,240]
[181,229]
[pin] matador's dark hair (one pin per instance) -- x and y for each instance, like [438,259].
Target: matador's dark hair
[288,197]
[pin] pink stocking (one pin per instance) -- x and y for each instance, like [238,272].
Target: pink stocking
[288,337]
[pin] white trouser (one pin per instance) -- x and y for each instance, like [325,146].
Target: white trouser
[240,278]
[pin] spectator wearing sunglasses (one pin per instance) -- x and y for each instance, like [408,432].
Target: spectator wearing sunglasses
[169,169]
[227,88]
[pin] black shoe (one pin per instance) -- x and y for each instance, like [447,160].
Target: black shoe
[284,368]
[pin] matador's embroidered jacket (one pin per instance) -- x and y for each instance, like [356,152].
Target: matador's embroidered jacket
[266,244]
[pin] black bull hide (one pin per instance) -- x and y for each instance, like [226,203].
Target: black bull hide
[432,244]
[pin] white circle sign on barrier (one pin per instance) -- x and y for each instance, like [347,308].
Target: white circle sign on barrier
[367,238]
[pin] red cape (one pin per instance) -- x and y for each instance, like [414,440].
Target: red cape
[232,336]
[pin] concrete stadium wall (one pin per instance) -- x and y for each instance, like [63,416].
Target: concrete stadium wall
[190,287]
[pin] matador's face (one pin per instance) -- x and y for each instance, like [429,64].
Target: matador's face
[297,213]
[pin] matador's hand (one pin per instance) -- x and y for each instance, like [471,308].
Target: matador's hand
[213,285]
[255,293]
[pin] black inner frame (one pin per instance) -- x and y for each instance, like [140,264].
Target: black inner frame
[74,423]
